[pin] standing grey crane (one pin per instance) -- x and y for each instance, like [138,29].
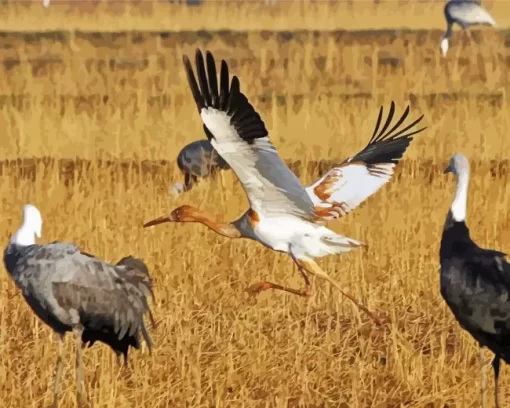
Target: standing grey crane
[465,13]
[475,282]
[70,290]
[197,160]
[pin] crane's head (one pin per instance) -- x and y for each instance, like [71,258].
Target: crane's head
[458,164]
[31,225]
[444,46]
[176,189]
[184,213]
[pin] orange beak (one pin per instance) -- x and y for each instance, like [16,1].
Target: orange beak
[157,221]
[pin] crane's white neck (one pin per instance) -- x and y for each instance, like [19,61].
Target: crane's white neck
[459,205]
[31,227]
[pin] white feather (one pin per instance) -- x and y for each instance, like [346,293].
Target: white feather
[301,238]
[350,184]
[31,225]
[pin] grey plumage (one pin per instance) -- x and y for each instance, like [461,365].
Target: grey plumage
[464,13]
[196,160]
[70,290]
[475,282]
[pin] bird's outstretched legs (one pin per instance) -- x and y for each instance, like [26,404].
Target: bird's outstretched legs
[483,370]
[495,365]
[258,287]
[306,266]
[58,368]
[77,332]
[311,266]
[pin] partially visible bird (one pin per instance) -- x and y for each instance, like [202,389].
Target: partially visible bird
[283,215]
[70,290]
[465,13]
[196,160]
[475,282]
[46,3]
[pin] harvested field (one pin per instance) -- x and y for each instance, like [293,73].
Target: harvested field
[93,115]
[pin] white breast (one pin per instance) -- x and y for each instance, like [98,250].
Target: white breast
[280,232]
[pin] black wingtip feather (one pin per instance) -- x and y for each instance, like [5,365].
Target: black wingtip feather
[213,81]
[199,100]
[228,98]
[388,121]
[202,77]
[224,85]
[388,147]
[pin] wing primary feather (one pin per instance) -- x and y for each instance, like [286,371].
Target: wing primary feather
[224,85]
[379,118]
[199,100]
[213,81]
[399,122]
[387,123]
[202,77]
[407,135]
[407,128]
[233,96]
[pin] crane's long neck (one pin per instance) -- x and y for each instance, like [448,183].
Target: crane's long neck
[448,32]
[24,236]
[226,229]
[458,208]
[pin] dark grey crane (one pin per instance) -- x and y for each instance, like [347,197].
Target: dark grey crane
[475,282]
[73,291]
[197,160]
[465,13]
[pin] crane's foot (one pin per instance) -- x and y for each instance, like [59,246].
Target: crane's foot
[256,288]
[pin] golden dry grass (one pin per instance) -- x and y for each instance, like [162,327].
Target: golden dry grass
[231,14]
[213,346]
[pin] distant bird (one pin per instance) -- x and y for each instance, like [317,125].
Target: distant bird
[70,290]
[465,13]
[475,282]
[283,215]
[197,160]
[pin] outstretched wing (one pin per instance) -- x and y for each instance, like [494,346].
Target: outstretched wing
[240,137]
[345,187]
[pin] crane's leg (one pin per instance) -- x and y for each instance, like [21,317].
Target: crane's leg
[77,332]
[495,365]
[258,287]
[118,358]
[187,181]
[59,368]
[483,370]
[311,267]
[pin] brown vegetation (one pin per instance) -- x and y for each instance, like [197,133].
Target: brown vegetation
[113,108]
[168,15]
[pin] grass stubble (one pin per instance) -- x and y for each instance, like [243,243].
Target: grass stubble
[213,345]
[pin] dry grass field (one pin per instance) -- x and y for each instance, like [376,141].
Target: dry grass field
[123,97]
[155,15]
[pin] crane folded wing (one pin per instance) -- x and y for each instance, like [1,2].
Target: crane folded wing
[111,300]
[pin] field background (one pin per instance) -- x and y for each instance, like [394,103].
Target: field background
[94,108]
